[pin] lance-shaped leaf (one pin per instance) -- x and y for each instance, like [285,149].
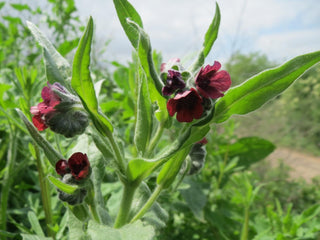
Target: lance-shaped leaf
[143,115]
[82,83]
[69,189]
[249,150]
[125,10]
[170,170]
[259,89]
[209,39]
[57,68]
[52,155]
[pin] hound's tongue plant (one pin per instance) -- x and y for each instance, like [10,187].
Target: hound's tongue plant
[174,105]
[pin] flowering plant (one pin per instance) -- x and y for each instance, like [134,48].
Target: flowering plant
[200,96]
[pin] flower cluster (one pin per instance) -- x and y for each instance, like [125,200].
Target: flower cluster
[75,171]
[60,110]
[190,103]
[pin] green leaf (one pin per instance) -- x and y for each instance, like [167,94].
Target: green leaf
[171,168]
[70,189]
[20,7]
[209,39]
[212,32]
[2,5]
[82,83]
[124,11]
[35,225]
[259,89]
[34,237]
[135,231]
[57,68]
[194,197]
[144,115]
[157,217]
[140,168]
[52,155]
[249,150]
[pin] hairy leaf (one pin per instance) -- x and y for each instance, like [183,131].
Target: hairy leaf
[256,91]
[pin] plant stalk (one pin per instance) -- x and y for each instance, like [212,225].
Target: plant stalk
[148,204]
[154,141]
[45,193]
[117,153]
[11,157]
[245,226]
[125,205]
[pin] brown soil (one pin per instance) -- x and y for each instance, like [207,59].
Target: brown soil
[303,165]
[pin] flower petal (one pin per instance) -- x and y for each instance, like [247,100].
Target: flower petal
[38,122]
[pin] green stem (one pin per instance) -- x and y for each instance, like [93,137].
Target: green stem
[117,153]
[45,193]
[125,205]
[90,200]
[245,226]
[148,204]
[154,141]
[7,180]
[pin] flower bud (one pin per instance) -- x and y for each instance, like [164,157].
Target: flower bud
[60,110]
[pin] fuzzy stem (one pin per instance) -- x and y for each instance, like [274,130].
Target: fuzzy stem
[148,204]
[6,183]
[245,226]
[117,153]
[125,205]
[45,192]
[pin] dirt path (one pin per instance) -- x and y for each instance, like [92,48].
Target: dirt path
[303,165]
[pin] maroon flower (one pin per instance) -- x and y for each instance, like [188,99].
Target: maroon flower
[78,165]
[187,105]
[204,141]
[62,167]
[211,83]
[50,100]
[174,82]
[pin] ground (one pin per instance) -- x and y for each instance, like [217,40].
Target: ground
[303,165]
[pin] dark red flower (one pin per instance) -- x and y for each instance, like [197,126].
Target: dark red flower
[174,82]
[79,165]
[204,141]
[211,83]
[50,100]
[62,167]
[187,105]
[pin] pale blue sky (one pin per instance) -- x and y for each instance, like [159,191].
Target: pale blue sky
[281,29]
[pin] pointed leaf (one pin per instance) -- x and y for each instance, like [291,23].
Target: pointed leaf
[57,68]
[212,32]
[52,155]
[209,39]
[70,189]
[35,225]
[124,11]
[143,117]
[256,91]
[82,83]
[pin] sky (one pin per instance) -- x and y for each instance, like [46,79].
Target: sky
[281,29]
